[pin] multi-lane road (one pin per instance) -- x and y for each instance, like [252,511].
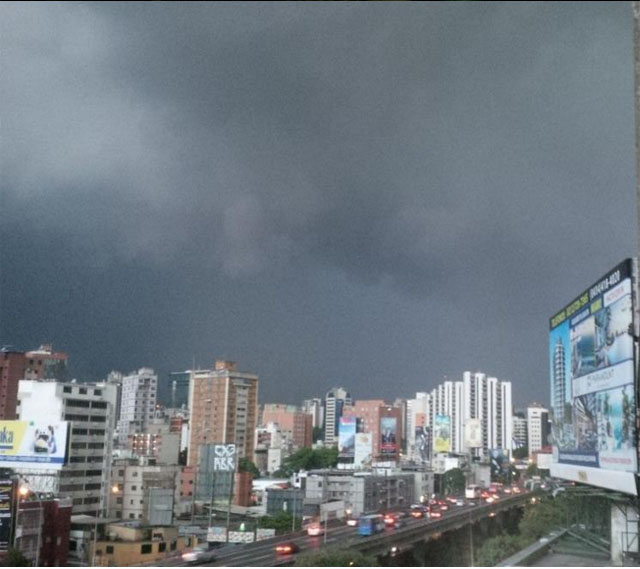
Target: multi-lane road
[262,554]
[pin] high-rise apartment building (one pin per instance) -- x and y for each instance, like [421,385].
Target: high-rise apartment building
[315,408]
[138,404]
[520,437]
[489,399]
[334,402]
[559,382]
[537,427]
[475,397]
[224,409]
[88,407]
[12,369]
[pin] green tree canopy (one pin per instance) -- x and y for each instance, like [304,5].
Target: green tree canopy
[15,558]
[336,558]
[308,459]
[498,548]
[521,453]
[453,481]
[245,465]
[282,522]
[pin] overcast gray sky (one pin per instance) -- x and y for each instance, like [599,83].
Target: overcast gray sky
[373,195]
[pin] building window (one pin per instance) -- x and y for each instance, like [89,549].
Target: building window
[145,548]
[134,488]
[162,546]
[82,391]
[109,549]
[174,545]
[66,389]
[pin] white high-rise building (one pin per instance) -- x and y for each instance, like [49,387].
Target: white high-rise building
[520,430]
[89,408]
[334,403]
[139,392]
[489,400]
[537,427]
[447,399]
[315,408]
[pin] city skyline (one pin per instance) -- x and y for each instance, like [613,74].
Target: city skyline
[328,198]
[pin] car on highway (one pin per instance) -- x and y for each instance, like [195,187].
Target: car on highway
[419,511]
[352,522]
[435,511]
[315,529]
[394,519]
[287,548]
[199,553]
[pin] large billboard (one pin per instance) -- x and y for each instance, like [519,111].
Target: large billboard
[388,436]
[7,496]
[423,444]
[363,450]
[33,444]
[592,371]
[347,437]
[473,433]
[442,433]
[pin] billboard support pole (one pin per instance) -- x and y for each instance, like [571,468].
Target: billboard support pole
[229,504]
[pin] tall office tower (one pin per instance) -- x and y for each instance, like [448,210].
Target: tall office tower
[224,409]
[12,368]
[489,400]
[179,383]
[44,363]
[559,382]
[538,427]
[334,402]
[88,407]
[139,392]
[401,404]
[520,437]
[315,408]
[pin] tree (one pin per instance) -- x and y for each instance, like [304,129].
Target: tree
[521,453]
[15,558]
[282,522]
[245,465]
[336,558]
[309,459]
[318,434]
[498,548]
[453,481]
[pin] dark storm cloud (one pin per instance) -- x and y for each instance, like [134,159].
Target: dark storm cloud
[366,194]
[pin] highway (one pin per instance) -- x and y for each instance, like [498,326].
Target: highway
[262,554]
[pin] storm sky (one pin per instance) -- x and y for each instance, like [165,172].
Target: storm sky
[368,195]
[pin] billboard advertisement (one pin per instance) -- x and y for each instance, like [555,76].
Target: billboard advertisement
[592,370]
[224,458]
[473,433]
[33,444]
[363,450]
[388,436]
[499,462]
[442,433]
[423,444]
[347,437]
[7,495]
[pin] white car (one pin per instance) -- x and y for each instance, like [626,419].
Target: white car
[314,530]
[198,553]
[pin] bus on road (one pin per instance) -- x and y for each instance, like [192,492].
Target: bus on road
[369,525]
[472,492]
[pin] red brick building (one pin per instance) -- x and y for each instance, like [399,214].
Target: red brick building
[12,370]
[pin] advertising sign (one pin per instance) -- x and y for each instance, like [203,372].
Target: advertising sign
[442,433]
[592,371]
[217,533]
[224,458]
[6,509]
[499,462]
[473,433]
[423,444]
[264,533]
[33,444]
[363,450]
[347,437]
[388,436]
